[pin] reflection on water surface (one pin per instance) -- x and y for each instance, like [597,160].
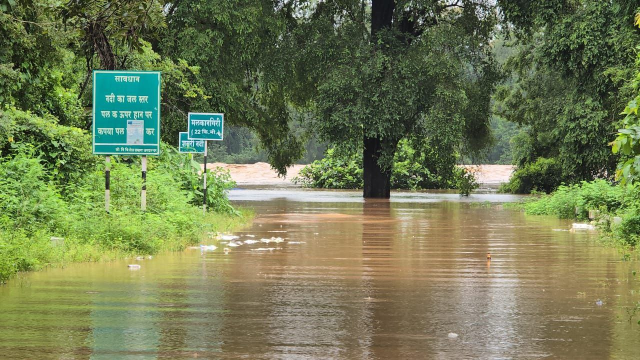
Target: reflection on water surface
[351,279]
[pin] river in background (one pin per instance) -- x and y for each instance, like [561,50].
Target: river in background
[350,280]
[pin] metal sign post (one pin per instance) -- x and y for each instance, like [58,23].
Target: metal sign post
[107,182]
[204,189]
[205,126]
[143,193]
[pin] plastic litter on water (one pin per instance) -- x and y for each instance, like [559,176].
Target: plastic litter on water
[586,227]
[263,249]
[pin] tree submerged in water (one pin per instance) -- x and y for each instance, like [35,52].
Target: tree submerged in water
[378,72]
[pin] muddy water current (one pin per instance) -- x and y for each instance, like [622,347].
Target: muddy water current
[341,278]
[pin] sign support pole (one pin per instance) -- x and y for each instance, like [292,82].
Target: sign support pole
[143,194]
[107,182]
[204,191]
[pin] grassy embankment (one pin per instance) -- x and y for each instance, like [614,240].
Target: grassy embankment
[52,200]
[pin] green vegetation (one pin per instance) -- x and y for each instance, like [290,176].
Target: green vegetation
[570,81]
[542,175]
[627,143]
[617,208]
[52,199]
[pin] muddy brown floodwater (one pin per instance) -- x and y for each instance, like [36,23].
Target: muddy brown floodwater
[349,280]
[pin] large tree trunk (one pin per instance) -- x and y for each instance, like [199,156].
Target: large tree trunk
[377,183]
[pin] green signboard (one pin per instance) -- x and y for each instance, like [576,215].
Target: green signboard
[204,126]
[186,145]
[126,112]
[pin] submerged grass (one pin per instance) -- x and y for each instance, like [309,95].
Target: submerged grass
[105,237]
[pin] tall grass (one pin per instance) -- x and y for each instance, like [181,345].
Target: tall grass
[36,211]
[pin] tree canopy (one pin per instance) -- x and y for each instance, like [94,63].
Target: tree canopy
[572,70]
[374,73]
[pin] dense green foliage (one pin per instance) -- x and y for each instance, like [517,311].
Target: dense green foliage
[541,175]
[627,143]
[334,171]
[571,70]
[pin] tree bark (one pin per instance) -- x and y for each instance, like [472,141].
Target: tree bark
[377,182]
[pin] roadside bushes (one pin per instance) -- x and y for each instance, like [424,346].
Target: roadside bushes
[575,201]
[332,172]
[65,151]
[542,175]
[27,197]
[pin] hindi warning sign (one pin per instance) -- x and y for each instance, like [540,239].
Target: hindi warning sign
[126,112]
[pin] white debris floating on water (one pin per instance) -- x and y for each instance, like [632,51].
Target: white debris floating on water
[228,237]
[586,227]
[263,249]
[208,247]
[452,336]
[273,239]
[134,267]
[234,243]
[296,242]
[249,242]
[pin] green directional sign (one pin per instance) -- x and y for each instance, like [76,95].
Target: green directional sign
[126,112]
[205,126]
[186,145]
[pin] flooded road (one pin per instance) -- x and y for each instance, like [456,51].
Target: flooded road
[340,278]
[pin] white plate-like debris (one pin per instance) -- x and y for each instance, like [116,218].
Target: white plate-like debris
[585,227]
[263,249]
